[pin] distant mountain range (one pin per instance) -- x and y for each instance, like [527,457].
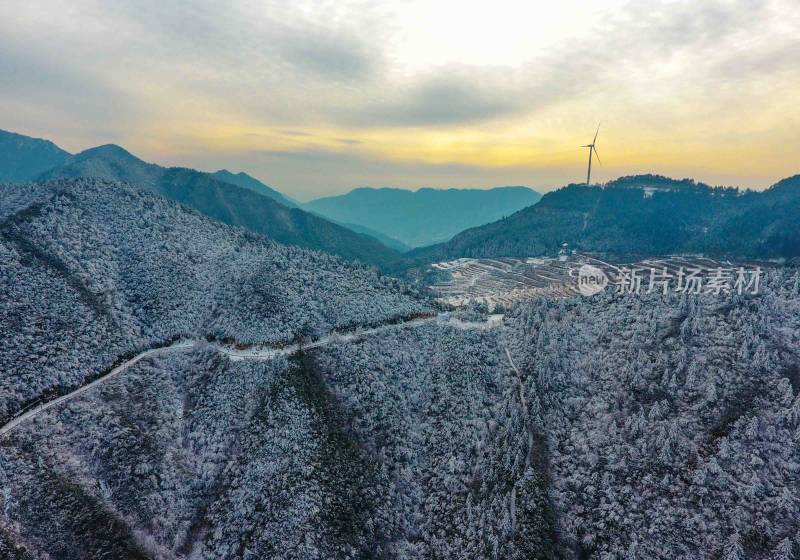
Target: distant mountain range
[23,158]
[641,216]
[631,217]
[235,199]
[242,179]
[422,217]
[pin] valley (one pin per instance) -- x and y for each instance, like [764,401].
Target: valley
[424,216]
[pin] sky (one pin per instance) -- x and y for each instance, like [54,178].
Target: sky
[316,97]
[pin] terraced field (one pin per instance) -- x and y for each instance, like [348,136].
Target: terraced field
[502,281]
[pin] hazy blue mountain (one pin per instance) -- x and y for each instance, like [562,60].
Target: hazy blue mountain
[228,203]
[23,158]
[245,181]
[642,216]
[425,216]
[395,244]
[384,239]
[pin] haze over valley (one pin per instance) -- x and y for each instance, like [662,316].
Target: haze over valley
[425,216]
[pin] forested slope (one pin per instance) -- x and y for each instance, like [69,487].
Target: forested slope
[227,203]
[627,426]
[92,270]
[641,216]
[242,179]
[367,451]
[635,427]
[672,424]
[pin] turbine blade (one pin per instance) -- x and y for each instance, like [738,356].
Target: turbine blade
[598,155]
[596,133]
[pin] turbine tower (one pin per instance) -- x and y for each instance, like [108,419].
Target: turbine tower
[592,149]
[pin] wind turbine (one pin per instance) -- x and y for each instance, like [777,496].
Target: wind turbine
[592,149]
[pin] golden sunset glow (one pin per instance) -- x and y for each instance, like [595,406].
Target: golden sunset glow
[316,98]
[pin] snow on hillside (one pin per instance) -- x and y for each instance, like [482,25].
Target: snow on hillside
[638,425]
[672,423]
[94,270]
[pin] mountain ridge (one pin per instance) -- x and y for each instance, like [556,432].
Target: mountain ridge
[254,206]
[23,157]
[422,216]
[640,215]
[228,203]
[242,179]
[34,215]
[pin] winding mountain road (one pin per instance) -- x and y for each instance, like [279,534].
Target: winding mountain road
[27,415]
[252,353]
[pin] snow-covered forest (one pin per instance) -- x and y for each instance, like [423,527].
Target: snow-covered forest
[630,426]
[94,270]
[672,424]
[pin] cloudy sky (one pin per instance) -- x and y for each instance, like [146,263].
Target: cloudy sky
[317,97]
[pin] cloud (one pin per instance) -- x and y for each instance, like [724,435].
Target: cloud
[299,133]
[447,100]
[52,96]
[331,62]
[271,42]
[329,55]
[677,49]
[188,74]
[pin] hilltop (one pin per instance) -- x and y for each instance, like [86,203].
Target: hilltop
[257,211]
[643,215]
[22,158]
